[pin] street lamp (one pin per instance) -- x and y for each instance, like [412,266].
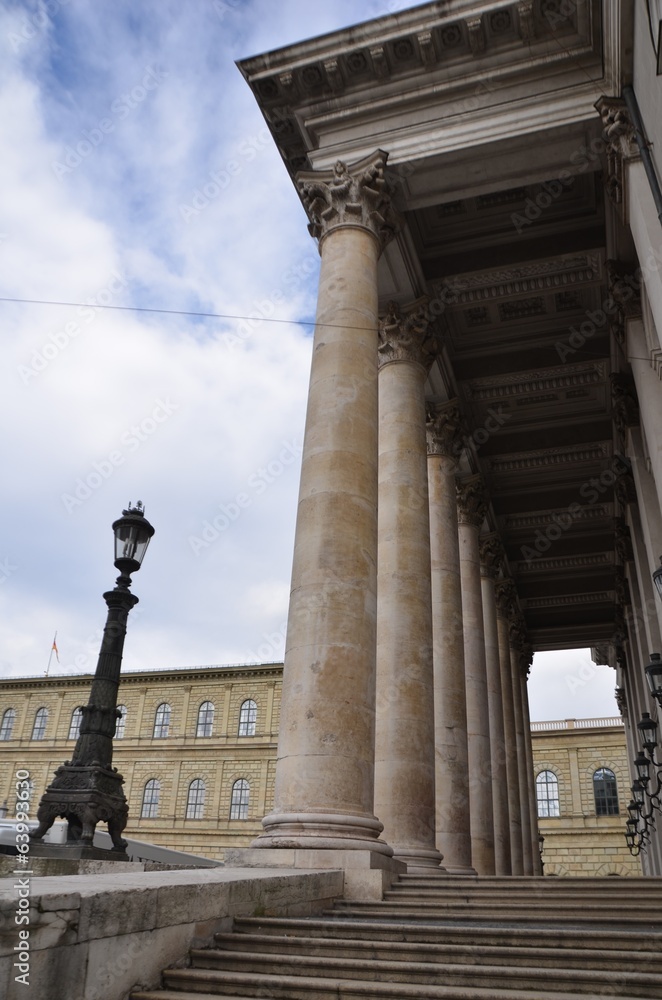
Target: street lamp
[87,789]
[657,579]
[654,677]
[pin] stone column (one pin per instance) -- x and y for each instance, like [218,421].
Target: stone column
[517,641]
[531,788]
[404,744]
[505,593]
[490,556]
[323,796]
[649,395]
[453,818]
[472,508]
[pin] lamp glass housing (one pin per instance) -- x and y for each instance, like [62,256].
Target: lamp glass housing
[657,578]
[642,765]
[648,731]
[654,676]
[633,810]
[132,535]
[638,793]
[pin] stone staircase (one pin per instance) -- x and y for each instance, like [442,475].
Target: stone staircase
[443,938]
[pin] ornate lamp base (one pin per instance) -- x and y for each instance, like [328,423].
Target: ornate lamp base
[84,795]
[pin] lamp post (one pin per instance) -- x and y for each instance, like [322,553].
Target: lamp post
[87,789]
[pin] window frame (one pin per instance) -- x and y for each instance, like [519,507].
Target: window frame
[549,801]
[247,718]
[161,730]
[39,730]
[7,724]
[150,806]
[120,723]
[602,796]
[74,730]
[205,726]
[240,798]
[196,798]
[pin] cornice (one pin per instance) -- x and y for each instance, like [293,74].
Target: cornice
[544,458]
[567,563]
[522,279]
[569,600]
[536,381]
[540,519]
[389,66]
[141,677]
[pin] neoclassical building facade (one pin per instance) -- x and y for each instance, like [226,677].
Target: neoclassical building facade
[482,462]
[196,748]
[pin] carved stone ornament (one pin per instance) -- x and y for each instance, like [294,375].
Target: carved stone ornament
[491,554]
[406,337]
[349,196]
[623,542]
[624,487]
[506,598]
[625,288]
[622,588]
[625,408]
[621,701]
[618,134]
[471,501]
[444,427]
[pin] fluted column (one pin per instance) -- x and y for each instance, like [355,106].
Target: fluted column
[505,591]
[531,788]
[471,514]
[323,796]
[517,641]
[490,556]
[453,818]
[404,745]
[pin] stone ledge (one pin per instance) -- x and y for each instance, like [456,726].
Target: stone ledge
[94,937]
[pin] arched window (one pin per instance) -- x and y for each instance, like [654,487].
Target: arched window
[151,796]
[40,721]
[205,719]
[7,726]
[120,725]
[195,804]
[162,721]
[604,790]
[547,794]
[247,718]
[74,725]
[241,792]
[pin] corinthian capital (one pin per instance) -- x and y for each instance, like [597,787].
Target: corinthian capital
[406,337]
[349,196]
[506,596]
[471,501]
[491,554]
[445,432]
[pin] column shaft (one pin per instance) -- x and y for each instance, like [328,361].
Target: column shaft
[478,718]
[404,747]
[531,788]
[525,813]
[453,818]
[510,742]
[502,862]
[324,784]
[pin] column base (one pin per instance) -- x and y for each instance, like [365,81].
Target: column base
[367,873]
[460,870]
[322,831]
[419,862]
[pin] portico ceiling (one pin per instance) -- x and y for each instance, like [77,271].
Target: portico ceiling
[512,259]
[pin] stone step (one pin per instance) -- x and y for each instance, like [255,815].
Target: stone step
[479,934]
[466,952]
[502,912]
[548,882]
[625,888]
[523,978]
[212,983]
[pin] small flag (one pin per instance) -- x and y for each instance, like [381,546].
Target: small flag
[55,649]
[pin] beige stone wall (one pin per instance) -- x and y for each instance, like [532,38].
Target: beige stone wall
[579,842]
[175,761]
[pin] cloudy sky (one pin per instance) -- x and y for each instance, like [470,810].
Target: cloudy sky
[119,121]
